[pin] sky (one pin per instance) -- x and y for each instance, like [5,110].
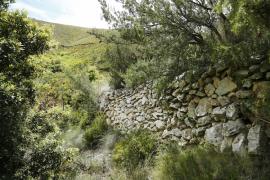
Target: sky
[84,13]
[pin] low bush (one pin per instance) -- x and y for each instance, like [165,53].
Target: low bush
[134,151]
[204,163]
[97,129]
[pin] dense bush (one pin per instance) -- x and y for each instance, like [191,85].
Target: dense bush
[205,163]
[134,151]
[48,159]
[95,132]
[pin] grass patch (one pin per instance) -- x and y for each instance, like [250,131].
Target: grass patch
[96,131]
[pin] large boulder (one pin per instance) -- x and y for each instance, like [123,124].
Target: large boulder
[225,86]
[213,135]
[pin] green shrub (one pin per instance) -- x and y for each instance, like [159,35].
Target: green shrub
[134,150]
[93,134]
[203,163]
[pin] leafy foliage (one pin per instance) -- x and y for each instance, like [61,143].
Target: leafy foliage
[19,39]
[174,36]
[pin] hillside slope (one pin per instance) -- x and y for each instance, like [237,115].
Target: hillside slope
[68,35]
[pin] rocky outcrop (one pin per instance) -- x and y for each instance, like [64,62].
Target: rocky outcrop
[205,110]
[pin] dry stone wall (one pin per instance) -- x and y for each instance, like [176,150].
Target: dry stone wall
[208,110]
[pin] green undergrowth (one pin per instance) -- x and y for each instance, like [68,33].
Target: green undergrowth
[95,132]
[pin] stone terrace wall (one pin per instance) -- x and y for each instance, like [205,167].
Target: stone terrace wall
[207,110]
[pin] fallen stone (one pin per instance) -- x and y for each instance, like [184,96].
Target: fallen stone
[225,86]
[216,81]
[233,127]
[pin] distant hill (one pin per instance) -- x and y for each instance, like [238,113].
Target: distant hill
[68,35]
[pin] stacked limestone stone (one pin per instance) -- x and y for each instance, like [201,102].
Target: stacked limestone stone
[205,110]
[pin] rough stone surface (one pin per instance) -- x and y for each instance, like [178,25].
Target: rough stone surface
[209,89]
[239,144]
[233,127]
[225,86]
[213,135]
[204,107]
[254,139]
[194,111]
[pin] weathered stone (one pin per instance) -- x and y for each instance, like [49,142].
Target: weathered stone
[226,86]
[183,109]
[223,100]
[226,144]
[232,111]
[187,134]
[181,84]
[239,144]
[264,67]
[165,134]
[181,97]
[176,92]
[254,140]
[233,127]
[208,81]
[199,131]
[204,107]
[195,86]
[243,94]
[261,89]
[267,76]
[209,89]
[216,81]
[247,83]
[192,92]
[200,94]
[213,135]
[191,109]
[176,132]
[160,124]
[241,73]
[174,106]
[203,121]
[254,68]
[256,76]
[188,122]
[219,112]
